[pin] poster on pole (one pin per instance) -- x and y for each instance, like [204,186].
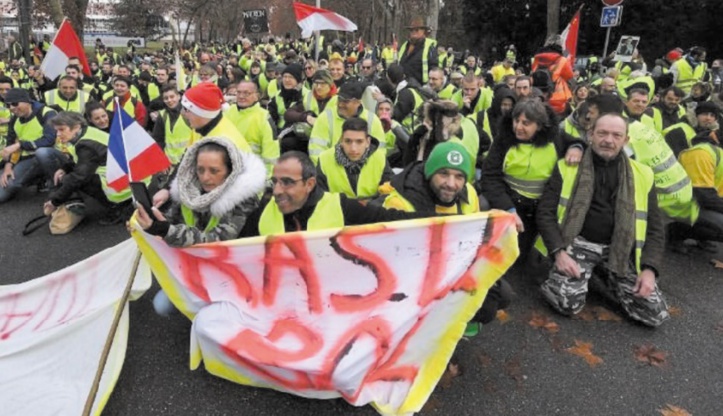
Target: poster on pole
[626,48]
[256,21]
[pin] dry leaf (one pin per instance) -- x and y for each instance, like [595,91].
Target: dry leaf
[452,371]
[544,322]
[670,410]
[584,350]
[650,355]
[716,263]
[675,311]
[503,316]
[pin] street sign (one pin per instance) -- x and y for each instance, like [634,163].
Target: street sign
[255,21]
[611,16]
[612,2]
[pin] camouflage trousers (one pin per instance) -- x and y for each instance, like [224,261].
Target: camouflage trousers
[567,295]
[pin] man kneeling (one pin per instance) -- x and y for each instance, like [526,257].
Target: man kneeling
[603,216]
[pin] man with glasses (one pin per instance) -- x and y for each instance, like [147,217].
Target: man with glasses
[29,154]
[254,123]
[298,204]
[419,53]
[327,128]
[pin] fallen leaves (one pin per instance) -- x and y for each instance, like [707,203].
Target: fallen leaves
[670,410]
[716,263]
[543,322]
[598,313]
[650,355]
[449,375]
[584,350]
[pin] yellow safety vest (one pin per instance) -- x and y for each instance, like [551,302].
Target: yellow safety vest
[642,182]
[527,168]
[327,214]
[178,137]
[672,184]
[338,180]
[30,130]
[77,105]
[99,136]
[395,200]
[428,43]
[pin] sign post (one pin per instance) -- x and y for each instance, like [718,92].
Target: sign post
[611,16]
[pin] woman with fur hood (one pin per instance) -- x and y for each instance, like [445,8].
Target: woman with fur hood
[442,122]
[216,187]
[521,160]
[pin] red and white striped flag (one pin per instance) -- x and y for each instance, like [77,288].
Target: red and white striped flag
[65,45]
[312,18]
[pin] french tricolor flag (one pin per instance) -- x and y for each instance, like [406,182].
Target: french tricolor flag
[133,155]
[66,45]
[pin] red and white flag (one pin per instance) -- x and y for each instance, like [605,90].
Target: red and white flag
[569,36]
[312,18]
[65,45]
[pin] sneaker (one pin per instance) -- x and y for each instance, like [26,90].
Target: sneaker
[472,329]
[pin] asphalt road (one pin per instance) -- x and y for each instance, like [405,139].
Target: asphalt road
[522,366]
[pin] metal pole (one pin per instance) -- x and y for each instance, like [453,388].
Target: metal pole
[607,41]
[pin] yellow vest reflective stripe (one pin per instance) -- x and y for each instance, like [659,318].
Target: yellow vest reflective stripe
[30,130]
[395,200]
[411,121]
[77,105]
[527,168]
[189,218]
[178,137]
[428,43]
[338,180]
[99,136]
[327,214]
[672,184]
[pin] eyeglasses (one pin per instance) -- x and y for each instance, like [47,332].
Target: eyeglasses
[285,182]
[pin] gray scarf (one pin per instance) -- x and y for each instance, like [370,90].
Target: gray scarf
[190,192]
[623,239]
[353,167]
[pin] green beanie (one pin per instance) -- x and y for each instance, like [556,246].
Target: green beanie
[449,155]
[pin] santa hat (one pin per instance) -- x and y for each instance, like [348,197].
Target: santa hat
[204,100]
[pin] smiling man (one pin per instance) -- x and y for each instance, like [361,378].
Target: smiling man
[355,166]
[603,215]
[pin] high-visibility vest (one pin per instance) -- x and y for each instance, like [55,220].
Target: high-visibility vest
[642,182]
[687,76]
[527,168]
[224,128]
[672,184]
[428,43]
[54,97]
[395,200]
[178,136]
[30,130]
[338,180]
[99,136]
[327,214]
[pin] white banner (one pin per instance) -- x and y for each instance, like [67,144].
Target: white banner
[53,331]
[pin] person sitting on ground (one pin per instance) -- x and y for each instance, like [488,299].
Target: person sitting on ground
[355,166]
[603,215]
[84,150]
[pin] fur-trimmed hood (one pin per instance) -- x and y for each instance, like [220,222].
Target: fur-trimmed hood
[246,180]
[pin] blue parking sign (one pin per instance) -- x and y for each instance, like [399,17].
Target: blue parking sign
[611,16]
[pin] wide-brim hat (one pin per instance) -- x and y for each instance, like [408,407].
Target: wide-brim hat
[417,23]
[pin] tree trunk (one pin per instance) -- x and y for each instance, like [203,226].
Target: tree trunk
[553,17]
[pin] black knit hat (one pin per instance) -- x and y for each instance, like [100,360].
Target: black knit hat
[294,70]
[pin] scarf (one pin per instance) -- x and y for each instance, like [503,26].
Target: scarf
[190,191]
[623,239]
[353,167]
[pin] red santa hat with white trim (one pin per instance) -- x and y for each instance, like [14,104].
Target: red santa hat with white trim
[204,100]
